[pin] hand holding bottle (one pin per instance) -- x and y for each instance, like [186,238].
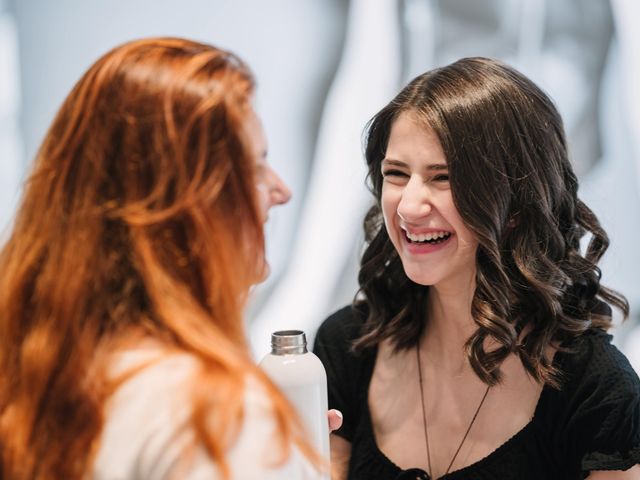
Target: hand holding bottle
[335,420]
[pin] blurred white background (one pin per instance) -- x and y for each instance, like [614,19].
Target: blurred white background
[324,67]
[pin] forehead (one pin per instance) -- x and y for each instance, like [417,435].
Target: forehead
[411,139]
[255,133]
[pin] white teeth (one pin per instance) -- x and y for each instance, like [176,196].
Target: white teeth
[426,236]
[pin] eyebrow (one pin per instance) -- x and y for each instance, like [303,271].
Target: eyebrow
[430,167]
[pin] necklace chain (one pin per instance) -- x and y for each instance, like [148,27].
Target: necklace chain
[425,424]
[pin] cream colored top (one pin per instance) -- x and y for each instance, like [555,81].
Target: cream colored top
[146,432]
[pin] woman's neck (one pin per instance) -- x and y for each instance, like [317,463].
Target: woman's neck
[449,326]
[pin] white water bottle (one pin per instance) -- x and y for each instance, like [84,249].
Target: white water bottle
[301,376]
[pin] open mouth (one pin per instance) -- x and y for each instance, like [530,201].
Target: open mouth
[427,238]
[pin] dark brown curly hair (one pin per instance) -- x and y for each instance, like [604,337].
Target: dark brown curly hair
[515,188]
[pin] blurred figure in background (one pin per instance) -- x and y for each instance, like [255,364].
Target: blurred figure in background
[123,351]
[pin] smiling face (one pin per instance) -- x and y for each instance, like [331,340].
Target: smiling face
[435,246]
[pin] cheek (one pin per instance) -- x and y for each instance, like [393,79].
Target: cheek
[466,238]
[389,205]
[263,198]
[468,244]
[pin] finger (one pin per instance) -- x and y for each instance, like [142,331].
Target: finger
[335,419]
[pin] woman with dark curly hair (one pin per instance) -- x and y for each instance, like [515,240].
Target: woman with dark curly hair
[477,346]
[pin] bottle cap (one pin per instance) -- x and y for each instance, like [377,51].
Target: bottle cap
[288,342]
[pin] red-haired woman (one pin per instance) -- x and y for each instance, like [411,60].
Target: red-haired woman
[122,344]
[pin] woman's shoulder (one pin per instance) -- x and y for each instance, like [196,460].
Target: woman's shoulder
[344,325]
[147,431]
[592,360]
[348,372]
[145,414]
[600,392]
[150,374]
[335,337]
[597,411]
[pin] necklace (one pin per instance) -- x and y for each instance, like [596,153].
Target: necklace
[424,419]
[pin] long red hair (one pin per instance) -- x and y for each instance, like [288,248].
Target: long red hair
[140,215]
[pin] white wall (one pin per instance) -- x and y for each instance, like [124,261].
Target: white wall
[10,139]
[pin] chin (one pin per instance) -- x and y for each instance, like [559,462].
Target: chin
[425,282]
[420,277]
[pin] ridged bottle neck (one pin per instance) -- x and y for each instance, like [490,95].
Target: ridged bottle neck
[288,342]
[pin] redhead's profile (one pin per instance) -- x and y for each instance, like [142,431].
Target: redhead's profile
[123,351]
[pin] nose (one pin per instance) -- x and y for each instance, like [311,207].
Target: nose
[279,192]
[415,202]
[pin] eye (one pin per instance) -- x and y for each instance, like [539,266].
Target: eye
[393,173]
[441,178]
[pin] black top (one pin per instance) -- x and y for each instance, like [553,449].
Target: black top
[592,423]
